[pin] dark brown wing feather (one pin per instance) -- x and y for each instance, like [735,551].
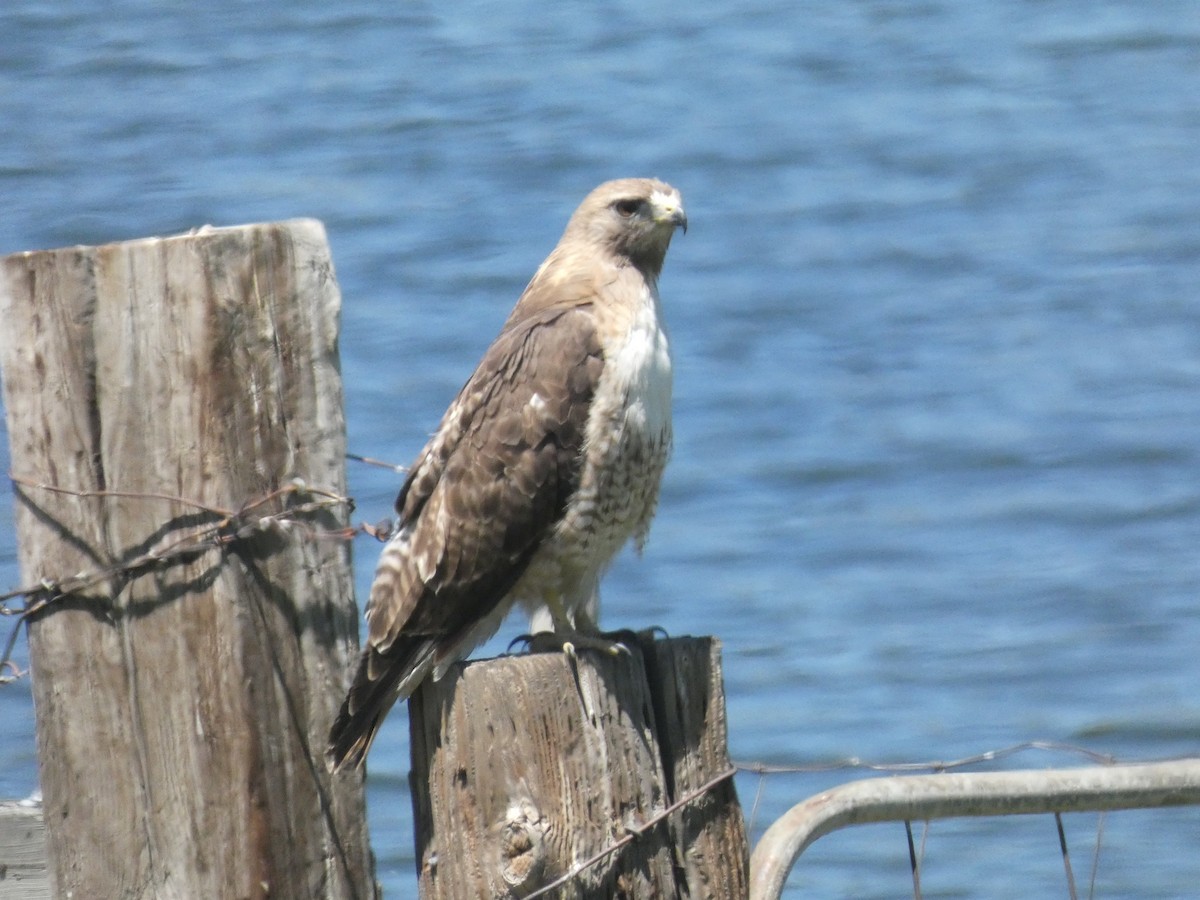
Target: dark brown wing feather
[482,495]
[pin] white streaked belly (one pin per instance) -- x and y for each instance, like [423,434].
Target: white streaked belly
[627,442]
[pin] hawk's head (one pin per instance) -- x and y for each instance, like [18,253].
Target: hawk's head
[633,218]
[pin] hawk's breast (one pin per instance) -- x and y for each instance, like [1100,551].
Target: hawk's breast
[627,442]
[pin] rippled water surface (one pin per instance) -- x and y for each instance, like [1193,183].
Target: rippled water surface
[935,322]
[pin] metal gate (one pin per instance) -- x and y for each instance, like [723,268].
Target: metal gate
[918,798]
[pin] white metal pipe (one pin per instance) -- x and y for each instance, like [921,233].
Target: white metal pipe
[941,796]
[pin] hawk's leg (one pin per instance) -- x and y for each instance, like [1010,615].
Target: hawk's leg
[568,636]
[583,623]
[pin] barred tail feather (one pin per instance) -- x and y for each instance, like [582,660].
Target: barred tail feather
[381,680]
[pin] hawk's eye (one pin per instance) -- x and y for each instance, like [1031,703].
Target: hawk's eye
[626,208]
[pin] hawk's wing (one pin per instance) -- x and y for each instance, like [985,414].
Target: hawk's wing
[491,483]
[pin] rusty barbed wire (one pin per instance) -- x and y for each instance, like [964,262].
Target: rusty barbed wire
[381,463]
[916,852]
[937,765]
[851,763]
[230,526]
[632,833]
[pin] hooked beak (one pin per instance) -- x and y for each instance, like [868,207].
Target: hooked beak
[679,218]
[672,214]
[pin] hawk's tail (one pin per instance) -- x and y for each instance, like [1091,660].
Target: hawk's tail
[380,680]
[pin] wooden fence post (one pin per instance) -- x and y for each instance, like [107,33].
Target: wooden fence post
[23,874]
[526,769]
[175,413]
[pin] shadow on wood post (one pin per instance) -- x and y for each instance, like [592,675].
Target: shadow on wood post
[153,389]
[526,769]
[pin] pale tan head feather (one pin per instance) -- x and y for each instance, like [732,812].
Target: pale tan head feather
[622,223]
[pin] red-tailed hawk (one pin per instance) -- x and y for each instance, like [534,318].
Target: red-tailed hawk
[546,463]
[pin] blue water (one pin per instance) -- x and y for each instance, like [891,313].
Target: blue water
[935,484]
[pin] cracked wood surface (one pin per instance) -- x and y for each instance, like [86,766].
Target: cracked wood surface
[526,767]
[181,713]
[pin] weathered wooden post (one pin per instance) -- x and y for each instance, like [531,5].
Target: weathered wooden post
[175,412]
[595,778]
[23,874]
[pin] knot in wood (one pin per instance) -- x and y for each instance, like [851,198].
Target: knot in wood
[522,846]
